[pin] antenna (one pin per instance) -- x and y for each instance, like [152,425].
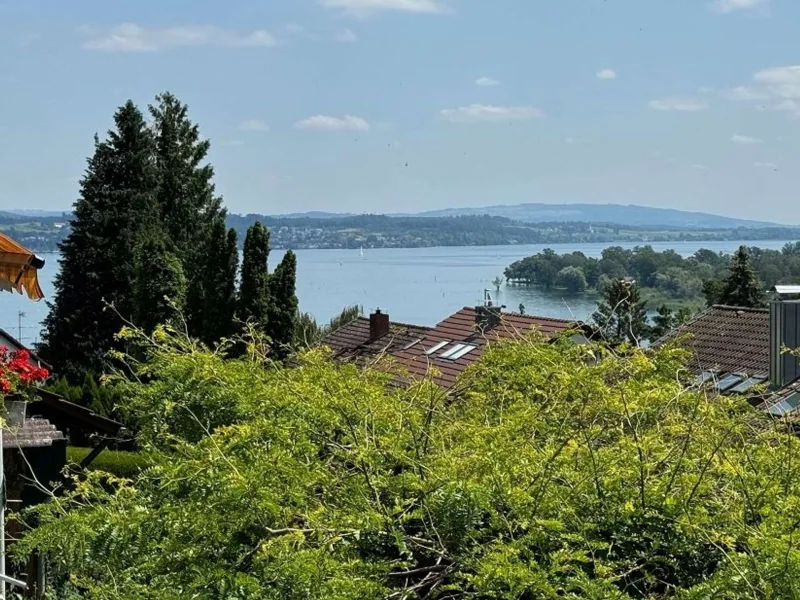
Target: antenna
[20,315]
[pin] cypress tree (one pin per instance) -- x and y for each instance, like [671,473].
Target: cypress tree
[283,306]
[117,202]
[622,314]
[219,283]
[742,287]
[160,284]
[186,196]
[254,287]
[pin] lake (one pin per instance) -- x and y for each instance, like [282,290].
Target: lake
[414,285]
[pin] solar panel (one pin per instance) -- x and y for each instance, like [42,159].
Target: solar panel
[785,406]
[704,377]
[747,384]
[438,346]
[452,351]
[461,353]
[728,382]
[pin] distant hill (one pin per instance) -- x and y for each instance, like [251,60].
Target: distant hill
[20,212]
[631,215]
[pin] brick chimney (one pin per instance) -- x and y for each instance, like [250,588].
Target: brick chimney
[378,325]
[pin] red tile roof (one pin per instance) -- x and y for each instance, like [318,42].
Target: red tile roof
[728,339]
[409,357]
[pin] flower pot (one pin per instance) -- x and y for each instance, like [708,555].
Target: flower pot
[15,413]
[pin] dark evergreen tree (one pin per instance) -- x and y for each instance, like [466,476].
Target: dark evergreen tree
[283,306]
[622,315]
[254,287]
[666,320]
[742,287]
[160,284]
[188,203]
[117,202]
[219,283]
[91,395]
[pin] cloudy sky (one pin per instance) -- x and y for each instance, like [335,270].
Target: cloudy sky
[405,105]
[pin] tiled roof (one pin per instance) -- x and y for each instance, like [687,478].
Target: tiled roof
[410,346]
[351,342]
[728,338]
[35,433]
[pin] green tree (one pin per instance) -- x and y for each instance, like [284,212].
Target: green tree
[572,279]
[283,306]
[254,295]
[666,320]
[160,284]
[219,284]
[622,315]
[91,395]
[189,206]
[599,476]
[742,287]
[117,202]
[308,333]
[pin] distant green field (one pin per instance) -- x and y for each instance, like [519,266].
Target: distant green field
[116,462]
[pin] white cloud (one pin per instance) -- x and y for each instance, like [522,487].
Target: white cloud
[487,82]
[745,139]
[765,165]
[698,167]
[253,125]
[680,104]
[729,6]
[364,8]
[328,123]
[744,92]
[477,113]
[130,37]
[346,36]
[781,82]
[607,74]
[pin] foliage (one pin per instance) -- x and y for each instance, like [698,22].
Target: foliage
[571,279]
[102,400]
[283,307]
[216,321]
[254,287]
[308,333]
[741,287]
[622,316]
[666,320]
[665,276]
[116,203]
[115,462]
[160,284]
[563,472]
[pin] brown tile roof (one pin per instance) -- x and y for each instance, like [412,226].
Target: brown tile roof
[459,328]
[728,339]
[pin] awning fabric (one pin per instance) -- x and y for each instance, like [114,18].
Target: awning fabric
[17,269]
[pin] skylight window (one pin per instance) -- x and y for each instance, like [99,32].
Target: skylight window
[462,353]
[785,406]
[747,384]
[437,347]
[728,382]
[448,354]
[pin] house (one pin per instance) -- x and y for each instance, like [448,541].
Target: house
[445,350]
[748,351]
[13,344]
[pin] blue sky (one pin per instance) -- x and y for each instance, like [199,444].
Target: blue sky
[407,105]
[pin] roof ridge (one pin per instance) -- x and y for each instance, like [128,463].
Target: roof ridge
[525,316]
[737,308]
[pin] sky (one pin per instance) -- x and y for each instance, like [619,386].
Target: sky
[412,105]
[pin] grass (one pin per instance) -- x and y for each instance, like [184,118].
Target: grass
[116,462]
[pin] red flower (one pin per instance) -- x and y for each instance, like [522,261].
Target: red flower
[5,386]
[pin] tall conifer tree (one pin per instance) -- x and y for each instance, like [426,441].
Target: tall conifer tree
[117,202]
[254,287]
[283,306]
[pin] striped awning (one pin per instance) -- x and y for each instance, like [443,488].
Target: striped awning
[19,269]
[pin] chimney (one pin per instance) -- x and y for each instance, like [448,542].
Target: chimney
[378,325]
[488,317]
[784,333]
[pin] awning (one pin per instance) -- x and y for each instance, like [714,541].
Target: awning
[19,269]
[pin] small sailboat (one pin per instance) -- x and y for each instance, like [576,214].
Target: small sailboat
[362,251]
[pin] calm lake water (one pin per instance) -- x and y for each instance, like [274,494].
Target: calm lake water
[414,285]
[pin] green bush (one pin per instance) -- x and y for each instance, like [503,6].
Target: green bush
[116,462]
